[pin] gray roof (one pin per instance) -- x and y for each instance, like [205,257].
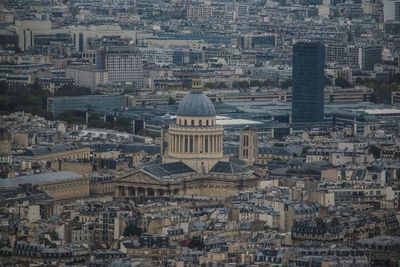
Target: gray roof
[227,167]
[168,169]
[196,104]
[39,179]
[44,150]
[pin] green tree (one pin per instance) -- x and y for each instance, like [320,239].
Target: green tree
[256,83]
[132,230]
[286,84]
[342,82]
[240,84]
[375,151]
[171,101]
[196,243]
[54,235]
[304,150]
[72,90]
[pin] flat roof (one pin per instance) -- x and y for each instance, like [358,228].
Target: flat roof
[39,179]
[383,111]
[223,120]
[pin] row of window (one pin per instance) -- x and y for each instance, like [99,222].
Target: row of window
[192,122]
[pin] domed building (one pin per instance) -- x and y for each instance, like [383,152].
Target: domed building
[195,138]
[193,162]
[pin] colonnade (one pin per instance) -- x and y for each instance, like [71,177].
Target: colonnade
[131,191]
[189,143]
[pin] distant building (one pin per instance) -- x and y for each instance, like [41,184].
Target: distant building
[123,64]
[59,185]
[368,56]
[57,105]
[87,76]
[308,83]
[391,10]
[392,27]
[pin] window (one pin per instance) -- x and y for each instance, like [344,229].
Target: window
[200,123]
[185,122]
[192,123]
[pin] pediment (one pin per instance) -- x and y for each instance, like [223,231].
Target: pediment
[139,177]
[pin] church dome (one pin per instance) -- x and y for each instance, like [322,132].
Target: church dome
[196,104]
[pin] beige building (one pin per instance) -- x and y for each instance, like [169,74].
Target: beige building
[195,138]
[59,185]
[192,158]
[52,157]
[87,76]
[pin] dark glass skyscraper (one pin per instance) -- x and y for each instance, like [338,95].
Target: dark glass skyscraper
[308,83]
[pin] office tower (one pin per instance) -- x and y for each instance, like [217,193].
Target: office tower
[124,64]
[391,10]
[368,56]
[308,82]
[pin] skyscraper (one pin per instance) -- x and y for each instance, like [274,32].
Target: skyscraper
[308,82]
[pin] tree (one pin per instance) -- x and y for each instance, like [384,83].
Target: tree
[240,84]
[256,83]
[71,116]
[54,235]
[375,151]
[304,150]
[132,230]
[72,90]
[286,84]
[171,101]
[342,82]
[221,85]
[196,243]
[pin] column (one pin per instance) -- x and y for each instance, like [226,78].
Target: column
[169,143]
[126,191]
[172,144]
[209,143]
[214,143]
[220,144]
[174,147]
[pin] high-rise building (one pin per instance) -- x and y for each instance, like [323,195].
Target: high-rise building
[123,63]
[391,10]
[368,56]
[308,83]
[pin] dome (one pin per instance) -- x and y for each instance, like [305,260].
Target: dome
[196,104]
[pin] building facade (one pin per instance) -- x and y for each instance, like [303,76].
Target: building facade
[123,64]
[308,83]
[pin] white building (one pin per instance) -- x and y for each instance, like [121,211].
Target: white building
[87,76]
[391,10]
[123,64]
